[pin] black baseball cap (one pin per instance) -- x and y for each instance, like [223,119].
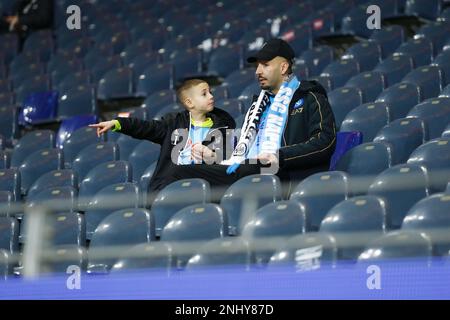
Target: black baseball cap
[271,49]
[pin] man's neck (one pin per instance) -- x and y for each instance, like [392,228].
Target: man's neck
[275,91]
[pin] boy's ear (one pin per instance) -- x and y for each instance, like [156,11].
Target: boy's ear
[188,103]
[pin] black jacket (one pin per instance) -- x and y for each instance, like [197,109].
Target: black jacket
[39,15]
[171,132]
[309,138]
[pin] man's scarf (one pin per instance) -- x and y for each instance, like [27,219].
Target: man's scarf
[269,135]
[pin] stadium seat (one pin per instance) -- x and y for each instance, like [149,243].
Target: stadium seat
[122,227]
[177,196]
[371,83]
[103,66]
[237,80]
[6,199]
[344,142]
[59,70]
[300,37]
[54,179]
[116,84]
[9,127]
[446,132]
[126,145]
[6,268]
[80,78]
[9,234]
[224,60]
[445,92]
[80,100]
[93,155]
[442,61]
[355,161]
[66,256]
[38,163]
[77,141]
[221,253]
[306,252]
[233,106]
[220,92]
[187,63]
[144,184]
[142,156]
[57,199]
[10,181]
[355,22]
[141,62]
[424,9]
[367,53]
[247,94]
[30,85]
[389,39]
[341,71]
[429,79]
[154,78]
[31,142]
[435,157]
[158,100]
[368,118]
[421,50]
[316,59]
[395,68]
[398,245]
[400,98]
[134,112]
[342,101]
[7,98]
[435,31]
[325,82]
[435,112]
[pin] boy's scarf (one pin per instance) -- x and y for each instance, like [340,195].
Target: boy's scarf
[271,132]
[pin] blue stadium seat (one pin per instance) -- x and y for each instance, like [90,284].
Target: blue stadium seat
[177,196]
[225,60]
[80,100]
[322,23]
[237,80]
[342,101]
[424,9]
[355,161]
[7,98]
[400,98]
[135,49]
[324,81]
[158,100]
[368,118]
[400,187]
[103,66]
[80,78]
[144,183]
[247,94]
[126,145]
[5,84]
[9,234]
[77,141]
[341,71]
[122,227]
[116,84]
[179,42]
[306,252]
[9,127]
[371,83]
[395,68]
[445,92]
[108,199]
[6,199]
[144,154]
[10,181]
[344,142]
[431,215]
[300,37]
[25,74]
[6,266]
[221,253]
[446,132]
[93,155]
[316,59]
[174,107]
[220,92]
[256,190]
[233,106]
[442,61]
[154,78]
[435,157]
[398,245]
[68,255]
[437,32]
[38,163]
[367,53]
[186,62]
[429,79]
[355,22]
[53,179]
[389,38]
[435,113]
[142,62]
[30,85]
[405,135]
[421,50]
[58,71]
[31,142]
[350,217]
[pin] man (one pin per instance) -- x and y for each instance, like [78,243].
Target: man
[290,126]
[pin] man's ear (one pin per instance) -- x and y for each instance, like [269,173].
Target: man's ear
[284,67]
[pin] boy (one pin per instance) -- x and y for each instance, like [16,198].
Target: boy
[202,130]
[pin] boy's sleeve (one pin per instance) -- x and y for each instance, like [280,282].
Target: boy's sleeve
[320,147]
[153,130]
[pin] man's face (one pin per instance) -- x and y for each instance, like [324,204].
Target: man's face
[270,73]
[201,98]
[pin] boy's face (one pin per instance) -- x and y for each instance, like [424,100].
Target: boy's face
[200,98]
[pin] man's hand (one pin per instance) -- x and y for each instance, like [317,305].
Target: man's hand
[102,127]
[202,153]
[268,159]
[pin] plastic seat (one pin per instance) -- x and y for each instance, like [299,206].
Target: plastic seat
[233,106]
[37,164]
[435,157]
[103,66]
[10,181]
[405,135]
[31,142]
[355,161]
[176,196]
[400,98]
[247,94]
[225,60]
[300,37]
[53,179]
[342,101]
[122,227]
[68,255]
[58,71]
[116,84]
[256,190]
[93,155]
[368,119]
[446,132]
[9,235]
[355,22]
[429,79]
[237,80]
[389,38]
[154,78]
[144,154]
[80,100]
[395,68]
[77,141]
[371,83]
[80,78]
[354,222]
[400,187]
[6,268]
[316,59]
[442,61]
[445,92]
[144,183]
[31,85]
[435,113]
[344,142]
[158,100]
[431,215]
[424,9]
[368,54]
[187,63]
[9,127]
[341,71]
[421,50]
[435,31]
[142,62]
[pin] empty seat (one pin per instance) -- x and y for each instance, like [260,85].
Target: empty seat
[446,132]
[445,92]
[371,84]
[143,155]
[367,53]
[435,157]
[405,135]
[421,50]
[355,161]
[316,59]
[66,256]
[5,159]
[93,155]
[225,60]
[9,234]
[103,66]
[443,61]
[395,68]
[144,184]
[31,142]
[221,92]
[187,63]
[77,141]
[237,80]
[176,196]
[9,127]
[424,9]
[342,101]
[429,79]
[368,118]
[233,106]
[57,199]
[154,78]
[122,227]
[400,98]
[355,22]
[341,71]
[116,84]
[300,37]
[80,78]
[435,113]
[246,195]
[389,38]
[435,31]
[6,199]
[77,101]
[158,100]
[6,267]
[69,229]
[10,181]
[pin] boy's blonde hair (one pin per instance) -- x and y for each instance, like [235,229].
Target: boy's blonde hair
[188,84]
